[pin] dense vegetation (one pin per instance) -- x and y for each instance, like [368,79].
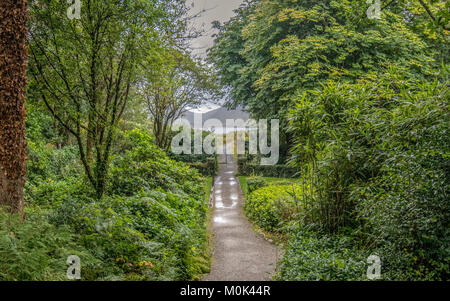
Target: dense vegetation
[364,105]
[98,184]
[151,223]
[272,205]
[248,167]
[206,164]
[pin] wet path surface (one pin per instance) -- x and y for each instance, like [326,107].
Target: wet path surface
[238,252]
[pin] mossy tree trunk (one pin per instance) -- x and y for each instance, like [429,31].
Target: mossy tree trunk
[13,81]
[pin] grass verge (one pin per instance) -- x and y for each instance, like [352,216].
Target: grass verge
[206,254]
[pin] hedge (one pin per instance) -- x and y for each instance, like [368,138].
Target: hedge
[279,171]
[208,168]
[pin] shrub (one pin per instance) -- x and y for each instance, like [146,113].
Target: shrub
[254,183]
[406,206]
[270,207]
[164,229]
[378,156]
[35,250]
[208,168]
[143,166]
[245,168]
[50,192]
[149,226]
[310,257]
[46,161]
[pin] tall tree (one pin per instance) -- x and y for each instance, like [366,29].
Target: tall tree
[181,84]
[274,50]
[85,69]
[13,81]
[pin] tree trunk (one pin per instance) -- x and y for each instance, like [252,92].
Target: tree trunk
[13,81]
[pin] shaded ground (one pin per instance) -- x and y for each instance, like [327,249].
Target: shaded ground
[239,253]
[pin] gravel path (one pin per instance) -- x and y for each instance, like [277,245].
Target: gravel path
[239,253]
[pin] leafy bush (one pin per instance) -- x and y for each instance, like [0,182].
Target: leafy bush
[310,257]
[149,226]
[53,174]
[208,168]
[46,161]
[406,206]
[36,250]
[365,114]
[245,168]
[142,166]
[254,183]
[272,206]
[377,156]
[164,229]
[50,192]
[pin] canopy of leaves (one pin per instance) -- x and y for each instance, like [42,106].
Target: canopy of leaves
[273,49]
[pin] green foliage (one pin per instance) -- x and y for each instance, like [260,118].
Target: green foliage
[45,159]
[143,166]
[429,18]
[377,157]
[164,229]
[273,50]
[311,258]
[405,208]
[35,250]
[271,207]
[85,79]
[52,193]
[47,162]
[209,168]
[207,165]
[247,168]
[282,171]
[53,174]
[39,124]
[254,183]
[151,225]
[363,112]
[243,184]
[208,185]
[86,70]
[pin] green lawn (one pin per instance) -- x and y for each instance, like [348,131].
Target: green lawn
[243,182]
[208,184]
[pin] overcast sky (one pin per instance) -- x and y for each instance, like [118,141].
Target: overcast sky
[215,10]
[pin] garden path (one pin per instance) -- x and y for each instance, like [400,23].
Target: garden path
[239,254]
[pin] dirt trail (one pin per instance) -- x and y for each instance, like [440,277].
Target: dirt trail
[239,253]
